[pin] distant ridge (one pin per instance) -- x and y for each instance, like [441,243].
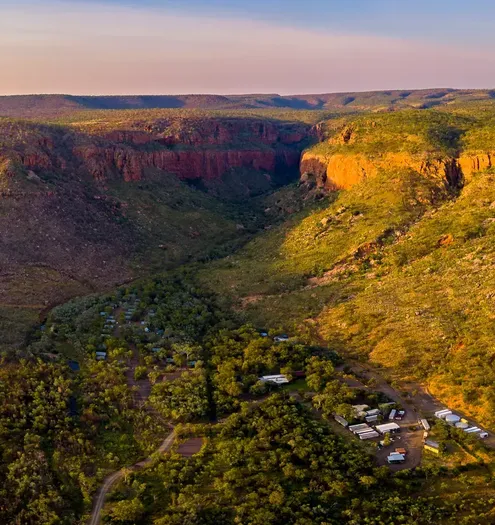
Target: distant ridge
[47,106]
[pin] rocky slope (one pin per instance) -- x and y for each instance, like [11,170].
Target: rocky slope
[86,206]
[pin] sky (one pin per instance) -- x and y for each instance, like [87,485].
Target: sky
[244,46]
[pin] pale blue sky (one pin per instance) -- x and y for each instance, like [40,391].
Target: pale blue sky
[239,46]
[439,20]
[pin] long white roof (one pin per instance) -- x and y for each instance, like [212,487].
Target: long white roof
[387,426]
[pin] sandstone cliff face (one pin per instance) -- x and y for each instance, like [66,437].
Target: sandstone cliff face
[474,162]
[340,171]
[209,164]
[192,149]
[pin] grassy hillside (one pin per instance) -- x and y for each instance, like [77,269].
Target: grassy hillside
[370,214]
[410,131]
[398,269]
[429,308]
[54,248]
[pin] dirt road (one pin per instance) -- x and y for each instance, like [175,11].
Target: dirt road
[116,476]
[141,390]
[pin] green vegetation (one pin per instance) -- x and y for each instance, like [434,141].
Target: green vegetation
[428,310]
[414,132]
[62,428]
[273,463]
[338,237]
[104,120]
[45,106]
[59,432]
[397,270]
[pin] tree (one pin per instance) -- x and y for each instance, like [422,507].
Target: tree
[127,511]
[318,373]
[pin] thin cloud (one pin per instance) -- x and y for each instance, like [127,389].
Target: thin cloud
[102,49]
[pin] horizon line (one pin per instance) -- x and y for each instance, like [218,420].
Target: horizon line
[244,94]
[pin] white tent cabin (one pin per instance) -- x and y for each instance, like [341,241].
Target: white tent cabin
[368,435]
[388,427]
[360,410]
[355,429]
[278,379]
[442,414]
[281,338]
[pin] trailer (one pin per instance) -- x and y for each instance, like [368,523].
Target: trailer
[368,435]
[371,419]
[395,458]
[388,427]
[424,423]
[374,412]
[391,416]
[432,446]
[473,430]
[483,435]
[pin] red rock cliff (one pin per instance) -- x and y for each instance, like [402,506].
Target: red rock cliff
[191,149]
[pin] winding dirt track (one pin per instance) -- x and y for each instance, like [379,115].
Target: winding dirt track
[116,476]
[141,391]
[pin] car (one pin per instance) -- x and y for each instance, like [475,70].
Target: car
[400,414]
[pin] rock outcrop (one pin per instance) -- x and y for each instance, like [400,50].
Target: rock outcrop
[342,171]
[204,149]
[477,161]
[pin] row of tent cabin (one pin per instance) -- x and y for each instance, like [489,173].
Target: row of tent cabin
[449,417]
[363,431]
[364,428]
